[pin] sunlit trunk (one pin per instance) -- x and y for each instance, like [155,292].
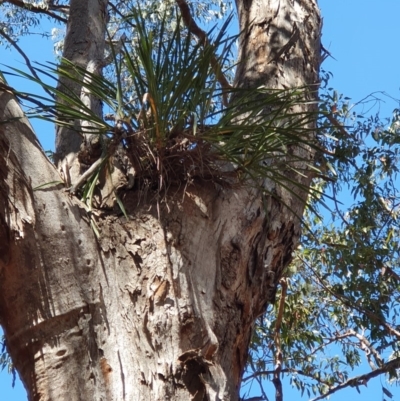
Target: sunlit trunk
[161,306]
[84,46]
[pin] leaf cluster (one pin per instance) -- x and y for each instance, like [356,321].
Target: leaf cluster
[343,302]
[165,109]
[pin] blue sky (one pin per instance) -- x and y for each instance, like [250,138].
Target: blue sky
[363,37]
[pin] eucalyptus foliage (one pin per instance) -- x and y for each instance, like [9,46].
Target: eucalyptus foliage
[343,302]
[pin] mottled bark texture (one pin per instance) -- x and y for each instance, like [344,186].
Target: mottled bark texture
[159,308]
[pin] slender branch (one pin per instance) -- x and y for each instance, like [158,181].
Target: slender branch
[286,370]
[86,175]
[37,10]
[391,272]
[368,348]
[365,346]
[111,148]
[362,379]
[25,57]
[277,341]
[202,36]
[116,49]
[264,395]
[123,17]
[352,305]
[337,124]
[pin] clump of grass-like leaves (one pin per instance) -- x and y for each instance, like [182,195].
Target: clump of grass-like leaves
[165,109]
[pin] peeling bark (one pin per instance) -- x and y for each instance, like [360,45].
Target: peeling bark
[161,307]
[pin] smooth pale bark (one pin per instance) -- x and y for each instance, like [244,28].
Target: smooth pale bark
[161,307]
[84,46]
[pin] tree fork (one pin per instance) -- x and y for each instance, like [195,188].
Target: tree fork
[157,308]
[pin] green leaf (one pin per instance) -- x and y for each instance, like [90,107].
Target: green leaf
[387,392]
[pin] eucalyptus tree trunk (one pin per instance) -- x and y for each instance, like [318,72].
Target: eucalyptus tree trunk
[84,46]
[161,306]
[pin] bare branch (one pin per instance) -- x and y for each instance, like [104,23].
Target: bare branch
[86,175]
[286,370]
[38,10]
[337,124]
[365,346]
[362,379]
[202,36]
[368,348]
